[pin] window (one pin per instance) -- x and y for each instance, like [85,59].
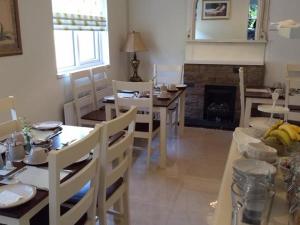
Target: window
[252,19]
[80,34]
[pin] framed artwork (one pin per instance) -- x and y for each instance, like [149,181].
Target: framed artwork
[212,10]
[10,37]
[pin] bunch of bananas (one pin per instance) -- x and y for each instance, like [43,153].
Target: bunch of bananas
[283,133]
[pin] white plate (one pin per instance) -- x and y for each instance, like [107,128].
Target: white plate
[26,191]
[254,167]
[271,109]
[27,162]
[47,125]
[181,85]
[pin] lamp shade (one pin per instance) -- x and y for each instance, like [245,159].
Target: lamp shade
[134,43]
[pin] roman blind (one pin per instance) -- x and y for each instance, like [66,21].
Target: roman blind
[79,15]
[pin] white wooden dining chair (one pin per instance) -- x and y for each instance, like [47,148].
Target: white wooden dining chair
[7,104]
[114,168]
[61,192]
[262,123]
[146,127]
[84,99]
[169,74]
[291,99]
[101,85]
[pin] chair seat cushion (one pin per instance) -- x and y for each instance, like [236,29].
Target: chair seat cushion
[109,192]
[144,127]
[97,115]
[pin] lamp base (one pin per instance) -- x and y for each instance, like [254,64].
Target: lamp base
[135,79]
[135,65]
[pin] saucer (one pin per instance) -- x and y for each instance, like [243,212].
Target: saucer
[47,125]
[181,86]
[27,162]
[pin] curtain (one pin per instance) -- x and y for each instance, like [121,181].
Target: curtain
[64,21]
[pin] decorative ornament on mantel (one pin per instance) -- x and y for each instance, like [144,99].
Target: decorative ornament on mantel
[135,44]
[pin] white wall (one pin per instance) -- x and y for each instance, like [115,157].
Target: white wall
[31,77]
[162,24]
[233,28]
[281,51]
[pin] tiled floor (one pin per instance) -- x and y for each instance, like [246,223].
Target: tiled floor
[180,194]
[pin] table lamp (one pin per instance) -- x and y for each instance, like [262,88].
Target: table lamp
[135,44]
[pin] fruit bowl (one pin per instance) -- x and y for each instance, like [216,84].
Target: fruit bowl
[284,137]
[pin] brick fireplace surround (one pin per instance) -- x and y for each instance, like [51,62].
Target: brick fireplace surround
[196,76]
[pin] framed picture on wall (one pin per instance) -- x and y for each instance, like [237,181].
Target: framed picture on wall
[10,37]
[212,10]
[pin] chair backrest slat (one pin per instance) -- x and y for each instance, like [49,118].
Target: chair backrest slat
[83,93]
[59,192]
[168,74]
[117,156]
[7,128]
[75,183]
[8,105]
[101,84]
[242,94]
[144,104]
[71,217]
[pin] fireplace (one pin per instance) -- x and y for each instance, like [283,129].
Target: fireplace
[219,105]
[202,77]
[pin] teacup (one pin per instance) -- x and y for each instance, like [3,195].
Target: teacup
[38,155]
[164,94]
[17,153]
[172,87]
[163,88]
[19,138]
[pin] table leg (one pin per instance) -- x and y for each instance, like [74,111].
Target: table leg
[163,137]
[181,113]
[247,112]
[108,110]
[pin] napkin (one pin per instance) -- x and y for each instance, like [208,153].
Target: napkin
[9,197]
[38,177]
[42,135]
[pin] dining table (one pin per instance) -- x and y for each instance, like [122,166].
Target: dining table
[160,106]
[21,215]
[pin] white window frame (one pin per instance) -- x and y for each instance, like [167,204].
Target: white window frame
[98,60]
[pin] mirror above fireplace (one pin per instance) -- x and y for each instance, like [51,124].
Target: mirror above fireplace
[228,20]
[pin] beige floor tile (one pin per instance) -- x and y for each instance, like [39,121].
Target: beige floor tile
[181,193]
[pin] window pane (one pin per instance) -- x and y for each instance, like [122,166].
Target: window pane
[86,42]
[64,48]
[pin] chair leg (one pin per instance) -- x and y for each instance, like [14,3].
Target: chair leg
[149,152]
[176,118]
[126,213]
[102,217]
[170,119]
